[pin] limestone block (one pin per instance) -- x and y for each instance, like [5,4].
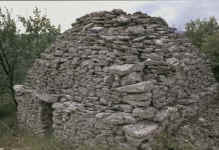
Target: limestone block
[172,61]
[132,78]
[87,26]
[140,130]
[21,89]
[112,37]
[147,113]
[138,97]
[136,30]
[158,42]
[125,108]
[57,105]
[47,98]
[120,69]
[163,114]
[122,19]
[139,39]
[102,115]
[96,29]
[141,87]
[120,118]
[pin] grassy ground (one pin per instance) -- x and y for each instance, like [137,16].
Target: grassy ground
[12,138]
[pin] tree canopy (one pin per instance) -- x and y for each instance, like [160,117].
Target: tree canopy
[19,50]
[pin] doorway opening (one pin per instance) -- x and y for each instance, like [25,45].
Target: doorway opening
[47,117]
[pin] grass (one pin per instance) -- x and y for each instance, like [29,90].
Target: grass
[11,137]
[166,141]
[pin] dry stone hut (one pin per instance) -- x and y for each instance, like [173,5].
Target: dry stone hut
[114,79]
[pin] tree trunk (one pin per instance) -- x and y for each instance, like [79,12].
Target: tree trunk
[13,94]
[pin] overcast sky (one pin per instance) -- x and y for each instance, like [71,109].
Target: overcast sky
[175,12]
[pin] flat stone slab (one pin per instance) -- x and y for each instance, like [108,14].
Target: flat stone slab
[114,37]
[140,130]
[125,68]
[147,113]
[96,29]
[48,98]
[140,87]
[120,69]
[138,97]
[120,118]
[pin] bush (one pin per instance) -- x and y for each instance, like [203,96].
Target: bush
[204,34]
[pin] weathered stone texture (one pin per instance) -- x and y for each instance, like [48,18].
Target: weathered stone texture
[116,79]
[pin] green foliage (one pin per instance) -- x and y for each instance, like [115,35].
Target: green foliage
[19,50]
[211,47]
[9,50]
[39,32]
[198,30]
[204,34]
[38,23]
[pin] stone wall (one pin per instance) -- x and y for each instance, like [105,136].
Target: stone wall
[34,111]
[116,79]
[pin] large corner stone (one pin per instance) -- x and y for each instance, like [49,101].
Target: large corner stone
[140,87]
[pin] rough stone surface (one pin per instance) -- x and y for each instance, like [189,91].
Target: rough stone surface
[115,79]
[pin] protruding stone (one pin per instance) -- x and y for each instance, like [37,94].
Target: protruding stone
[112,37]
[138,39]
[136,30]
[163,114]
[87,26]
[173,61]
[147,113]
[140,130]
[96,29]
[122,19]
[57,105]
[158,42]
[132,78]
[120,69]
[138,97]
[120,118]
[19,89]
[48,98]
[141,87]
[102,115]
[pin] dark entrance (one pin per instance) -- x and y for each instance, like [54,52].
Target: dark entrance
[46,117]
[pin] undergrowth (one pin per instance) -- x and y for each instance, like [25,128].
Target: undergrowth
[13,138]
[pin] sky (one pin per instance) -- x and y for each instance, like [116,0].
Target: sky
[175,12]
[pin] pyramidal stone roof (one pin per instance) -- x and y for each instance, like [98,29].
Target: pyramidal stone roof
[116,79]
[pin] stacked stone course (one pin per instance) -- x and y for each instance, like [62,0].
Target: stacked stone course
[115,79]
